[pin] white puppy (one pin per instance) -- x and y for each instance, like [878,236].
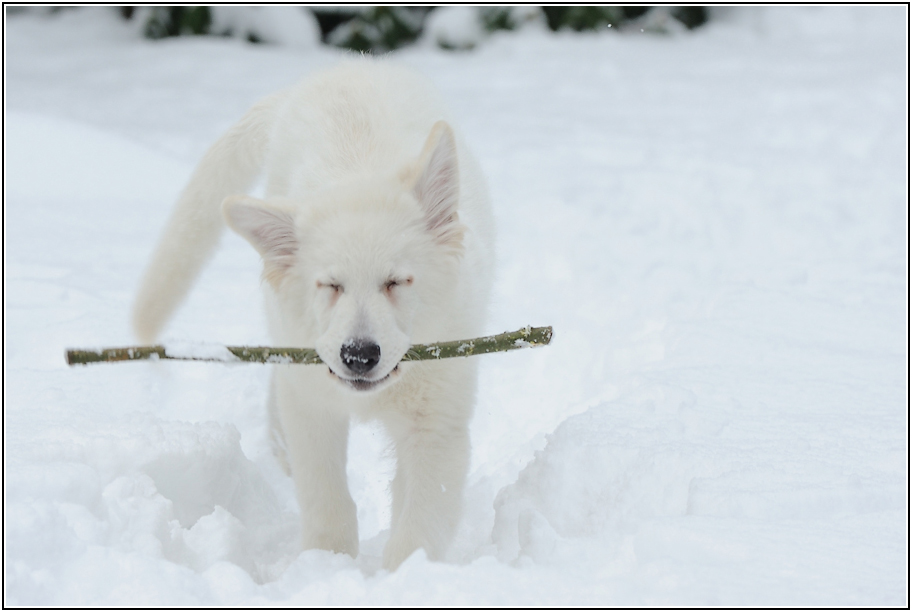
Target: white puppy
[375,234]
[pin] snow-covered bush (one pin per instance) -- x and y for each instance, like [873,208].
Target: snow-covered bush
[285,25]
[164,21]
[582,18]
[585,18]
[290,26]
[464,27]
[495,18]
[380,29]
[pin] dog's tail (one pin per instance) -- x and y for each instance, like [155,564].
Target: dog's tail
[230,167]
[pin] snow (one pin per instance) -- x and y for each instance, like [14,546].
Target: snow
[456,27]
[291,26]
[198,350]
[462,28]
[714,223]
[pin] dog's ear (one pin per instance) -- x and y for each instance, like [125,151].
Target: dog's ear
[437,185]
[269,229]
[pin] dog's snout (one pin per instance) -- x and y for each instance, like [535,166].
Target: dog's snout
[360,355]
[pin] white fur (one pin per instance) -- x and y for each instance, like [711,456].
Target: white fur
[376,227]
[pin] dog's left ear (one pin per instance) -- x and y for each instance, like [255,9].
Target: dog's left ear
[268,228]
[437,185]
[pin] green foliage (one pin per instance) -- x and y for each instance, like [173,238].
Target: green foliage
[380,29]
[497,18]
[331,17]
[691,16]
[494,18]
[167,21]
[582,18]
[585,18]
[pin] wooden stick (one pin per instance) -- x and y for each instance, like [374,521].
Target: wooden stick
[527,337]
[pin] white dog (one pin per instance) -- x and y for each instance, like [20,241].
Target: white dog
[376,233]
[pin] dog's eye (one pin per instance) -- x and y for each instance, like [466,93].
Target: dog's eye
[396,282]
[334,286]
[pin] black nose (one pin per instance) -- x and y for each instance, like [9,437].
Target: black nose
[360,355]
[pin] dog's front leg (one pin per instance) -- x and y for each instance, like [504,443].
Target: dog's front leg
[316,437]
[432,457]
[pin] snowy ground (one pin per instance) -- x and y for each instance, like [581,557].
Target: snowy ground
[715,223]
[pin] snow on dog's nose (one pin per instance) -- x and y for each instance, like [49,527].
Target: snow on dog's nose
[360,355]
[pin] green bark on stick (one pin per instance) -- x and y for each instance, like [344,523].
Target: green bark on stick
[526,337]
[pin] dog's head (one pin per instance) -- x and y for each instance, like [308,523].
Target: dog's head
[364,262]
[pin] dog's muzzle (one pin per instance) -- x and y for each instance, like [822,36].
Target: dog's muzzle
[360,356]
[365,384]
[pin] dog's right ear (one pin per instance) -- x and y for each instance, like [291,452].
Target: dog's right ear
[269,229]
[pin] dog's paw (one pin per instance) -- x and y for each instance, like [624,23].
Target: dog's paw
[337,531]
[344,543]
[400,547]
